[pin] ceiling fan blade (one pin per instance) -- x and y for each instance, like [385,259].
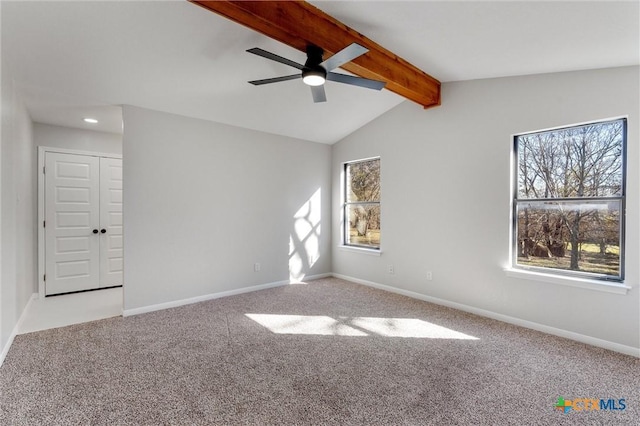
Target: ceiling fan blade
[347,54]
[318,94]
[274,57]
[355,81]
[275,79]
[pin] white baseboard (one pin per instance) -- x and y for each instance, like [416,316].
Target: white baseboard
[616,347]
[17,327]
[182,302]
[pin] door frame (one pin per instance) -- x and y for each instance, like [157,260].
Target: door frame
[42,151]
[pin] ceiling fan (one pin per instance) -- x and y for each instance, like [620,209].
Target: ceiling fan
[315,71]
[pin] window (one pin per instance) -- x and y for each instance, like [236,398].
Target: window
[569,200]
[362,203]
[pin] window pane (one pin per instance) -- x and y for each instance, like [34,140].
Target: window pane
[363,225]
[575,236]
[582,161]
[363,181]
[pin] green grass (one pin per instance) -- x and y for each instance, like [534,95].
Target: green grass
[590,260]
[595,248]
[371,239]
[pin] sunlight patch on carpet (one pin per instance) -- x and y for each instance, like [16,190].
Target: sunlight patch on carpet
[355,326]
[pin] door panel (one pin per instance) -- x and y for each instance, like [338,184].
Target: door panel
[111,262]
[71,214]
[73,244]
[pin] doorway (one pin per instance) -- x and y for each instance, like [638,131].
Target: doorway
[80,212]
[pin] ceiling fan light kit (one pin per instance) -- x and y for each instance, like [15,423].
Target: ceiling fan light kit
[314,78]
[315,71]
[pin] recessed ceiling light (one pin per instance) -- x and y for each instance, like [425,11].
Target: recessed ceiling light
[90,120]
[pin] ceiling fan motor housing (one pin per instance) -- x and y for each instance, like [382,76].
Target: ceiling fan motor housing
[313,71]
[314,56]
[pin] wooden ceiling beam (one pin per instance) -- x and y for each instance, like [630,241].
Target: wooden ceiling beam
[298,24]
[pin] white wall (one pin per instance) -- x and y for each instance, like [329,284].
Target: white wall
[18,254]
[205,201]
[445,176]
[76,139]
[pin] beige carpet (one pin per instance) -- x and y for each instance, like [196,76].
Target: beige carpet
[329,352]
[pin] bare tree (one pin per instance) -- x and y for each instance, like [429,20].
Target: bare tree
[363,186]
[560,166]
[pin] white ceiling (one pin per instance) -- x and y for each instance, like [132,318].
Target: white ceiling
[74,59]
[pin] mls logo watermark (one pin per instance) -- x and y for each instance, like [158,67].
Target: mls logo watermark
[590,404]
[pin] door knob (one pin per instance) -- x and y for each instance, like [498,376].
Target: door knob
[102,231]
[95,231]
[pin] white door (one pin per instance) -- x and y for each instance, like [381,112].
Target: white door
[72,239]
[110,222]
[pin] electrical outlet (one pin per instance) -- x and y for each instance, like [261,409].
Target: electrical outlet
[429,275]
[390,269]
[256,267]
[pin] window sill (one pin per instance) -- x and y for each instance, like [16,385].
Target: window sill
[597,285]
[362,250]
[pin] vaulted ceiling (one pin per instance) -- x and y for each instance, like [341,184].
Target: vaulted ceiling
[75,58]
